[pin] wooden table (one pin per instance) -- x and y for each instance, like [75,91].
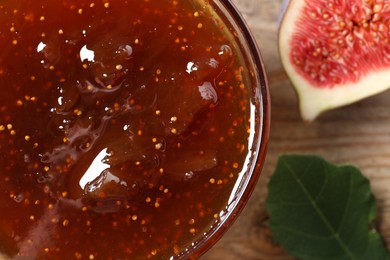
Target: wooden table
[358,134]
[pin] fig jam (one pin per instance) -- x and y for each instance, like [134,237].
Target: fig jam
[124,127]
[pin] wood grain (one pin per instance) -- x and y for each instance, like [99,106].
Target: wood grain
[358,134]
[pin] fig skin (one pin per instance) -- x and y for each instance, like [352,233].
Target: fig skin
[363,52]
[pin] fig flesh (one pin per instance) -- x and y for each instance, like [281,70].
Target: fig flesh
[335,52]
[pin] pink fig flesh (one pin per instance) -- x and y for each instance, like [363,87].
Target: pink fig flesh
[335,52]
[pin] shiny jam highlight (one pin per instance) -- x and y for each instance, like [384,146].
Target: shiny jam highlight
[124,126]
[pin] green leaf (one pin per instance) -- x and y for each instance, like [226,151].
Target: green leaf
[321,211]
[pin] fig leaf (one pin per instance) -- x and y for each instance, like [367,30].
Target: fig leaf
[321,211]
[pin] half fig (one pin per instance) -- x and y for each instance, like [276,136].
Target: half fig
[335,52]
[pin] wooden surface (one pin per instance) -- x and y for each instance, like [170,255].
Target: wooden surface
[358,134]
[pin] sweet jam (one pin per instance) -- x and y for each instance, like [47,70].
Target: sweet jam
[124,126]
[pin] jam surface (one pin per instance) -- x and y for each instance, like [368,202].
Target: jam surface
[124,126]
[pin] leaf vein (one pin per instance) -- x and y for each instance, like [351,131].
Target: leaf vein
[318,210]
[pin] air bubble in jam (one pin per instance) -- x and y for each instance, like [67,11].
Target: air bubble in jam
[18,198]
[208,92]
[119,125]
[188,175]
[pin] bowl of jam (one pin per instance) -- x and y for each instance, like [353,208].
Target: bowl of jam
[128,129]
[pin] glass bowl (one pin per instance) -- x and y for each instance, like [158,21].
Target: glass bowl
[128,129]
